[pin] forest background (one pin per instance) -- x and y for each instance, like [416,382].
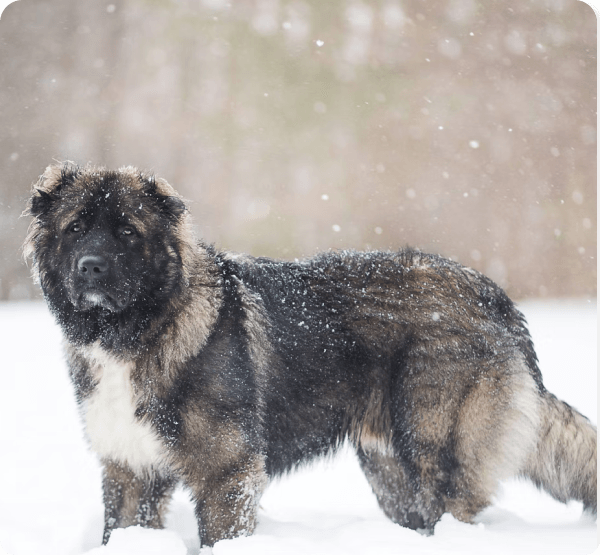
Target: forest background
[462,127]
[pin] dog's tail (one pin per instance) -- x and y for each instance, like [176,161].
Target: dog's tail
[564,460]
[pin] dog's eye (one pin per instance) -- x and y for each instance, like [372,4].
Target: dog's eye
[127,231]
[75,227]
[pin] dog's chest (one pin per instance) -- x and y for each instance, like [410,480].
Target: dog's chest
[110,422]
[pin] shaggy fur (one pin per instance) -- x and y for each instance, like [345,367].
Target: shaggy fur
[220,371]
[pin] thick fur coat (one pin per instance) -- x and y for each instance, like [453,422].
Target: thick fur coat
[222,371]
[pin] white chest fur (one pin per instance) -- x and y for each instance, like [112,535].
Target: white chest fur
[109,417]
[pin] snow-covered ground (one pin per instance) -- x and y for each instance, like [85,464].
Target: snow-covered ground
[50,496]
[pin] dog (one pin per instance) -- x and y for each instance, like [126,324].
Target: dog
[220,371]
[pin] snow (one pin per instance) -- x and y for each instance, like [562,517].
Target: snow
[139,541]
[50,481]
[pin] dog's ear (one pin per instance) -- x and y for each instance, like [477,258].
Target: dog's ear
[39,203]
[173,206]
[167,200]
[58,176]
[51,182]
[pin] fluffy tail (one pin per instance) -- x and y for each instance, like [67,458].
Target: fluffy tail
[564,462]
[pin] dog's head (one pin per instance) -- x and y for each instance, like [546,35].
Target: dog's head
[104,241]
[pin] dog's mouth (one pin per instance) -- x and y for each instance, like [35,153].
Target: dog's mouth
[97,298]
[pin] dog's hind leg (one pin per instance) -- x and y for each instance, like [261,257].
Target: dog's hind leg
[400,498]
[132,499]
[452,442]
[494,431]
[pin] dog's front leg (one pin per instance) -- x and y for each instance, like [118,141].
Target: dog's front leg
[132,499]
[227,504]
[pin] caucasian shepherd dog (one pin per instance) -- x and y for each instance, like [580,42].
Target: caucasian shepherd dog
[222,371]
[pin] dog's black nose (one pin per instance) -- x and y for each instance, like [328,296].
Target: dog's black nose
[92,266]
